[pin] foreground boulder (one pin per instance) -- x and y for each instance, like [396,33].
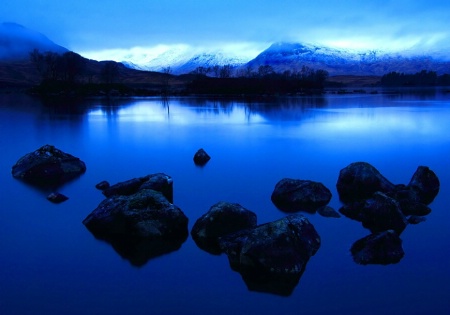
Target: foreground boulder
[159,182]
[139,226]
[201,157]
[222,219]
[272,257]
[292,195]
[425,185]
[48,166]
[380,248]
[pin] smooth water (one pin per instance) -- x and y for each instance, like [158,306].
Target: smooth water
[51,264]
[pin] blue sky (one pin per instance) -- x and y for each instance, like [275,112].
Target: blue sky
[246,25]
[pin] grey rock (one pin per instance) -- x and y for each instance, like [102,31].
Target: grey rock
[328,212]
[222,219]
[292,195]
[48,166]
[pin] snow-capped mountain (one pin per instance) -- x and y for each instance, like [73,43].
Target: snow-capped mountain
[16,42]
[293,56]
[183,60]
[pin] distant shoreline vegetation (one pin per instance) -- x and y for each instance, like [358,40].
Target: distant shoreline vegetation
[69,74]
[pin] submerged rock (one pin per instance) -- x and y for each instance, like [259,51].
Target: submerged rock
[328,212]
[360,180]
[102,185]
[222,219]
[57,197]
[380,248]
[48,166]
[292,195]
[159,182]
[141,225]
[201,157]
[272,257]
[379,213]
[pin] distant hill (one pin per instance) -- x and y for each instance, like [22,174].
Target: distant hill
[16,42]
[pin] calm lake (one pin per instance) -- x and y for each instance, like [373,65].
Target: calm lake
[51,264]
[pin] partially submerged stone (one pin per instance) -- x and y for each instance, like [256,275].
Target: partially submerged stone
[292,195]
[222,219]
[48,166]
[272,257]
[102,185]
[379,248]
[328,212]
[159,182]
[425,184]
[139,226]
[201,157]
[379,213]
[57,197]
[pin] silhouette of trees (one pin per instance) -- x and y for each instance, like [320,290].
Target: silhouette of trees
[422,78]
[109,72]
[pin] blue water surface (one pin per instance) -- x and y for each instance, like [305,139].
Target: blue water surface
[51,264]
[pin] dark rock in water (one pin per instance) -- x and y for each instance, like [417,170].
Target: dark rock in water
[360,180]
[414,219]
[48,166]
[272,257]
[410,207]
[380,248]
[425,184]
[102,185]
[328,212]
[56,197]
[159,182]
[222,219]
[139,225]
[379,213]
[292,195]
[201,157]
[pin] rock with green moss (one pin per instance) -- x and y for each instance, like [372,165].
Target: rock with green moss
[48,166]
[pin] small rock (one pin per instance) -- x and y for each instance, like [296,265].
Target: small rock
[56,197]
[102,185]
[415,219]
[201,157]
[328,212]
[425,183]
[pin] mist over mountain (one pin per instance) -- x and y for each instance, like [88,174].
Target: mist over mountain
[16,42]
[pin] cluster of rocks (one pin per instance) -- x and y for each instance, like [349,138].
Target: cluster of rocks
[384,208]
[138,217]
[270,257]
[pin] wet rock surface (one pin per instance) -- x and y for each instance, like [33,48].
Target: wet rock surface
[57,197]
[328,212]
[48,166]
[292,195]
[273,256]
[222,219]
